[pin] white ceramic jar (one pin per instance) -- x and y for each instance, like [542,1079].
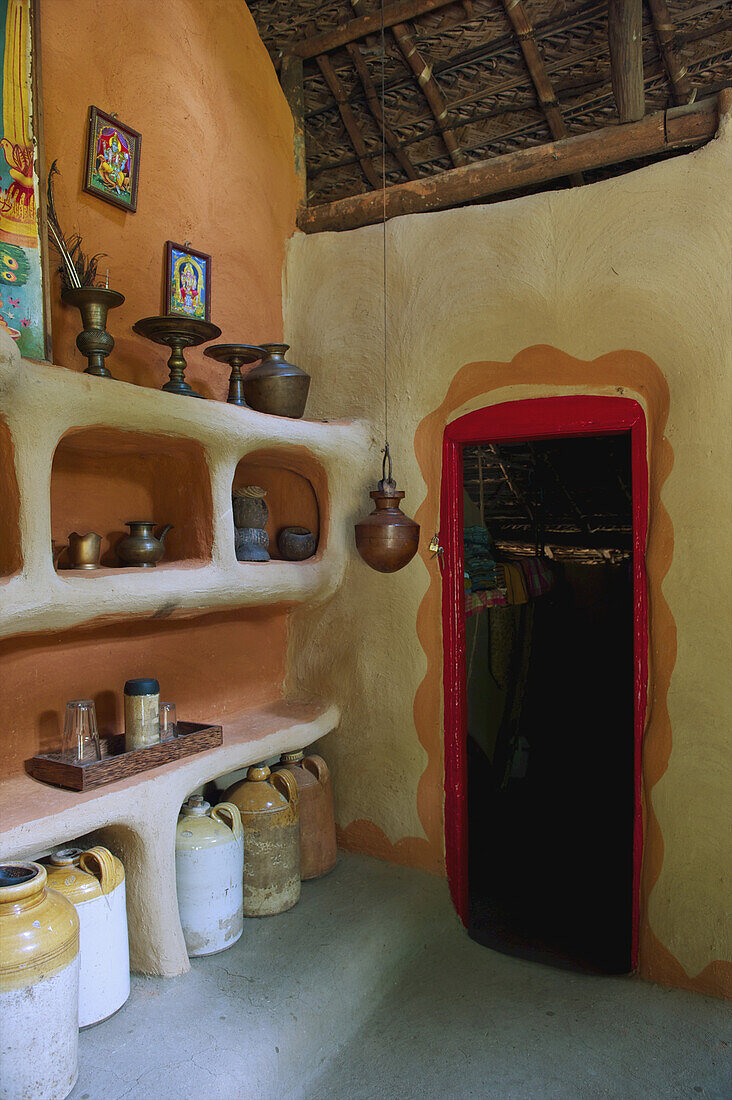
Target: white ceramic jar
[209,871]
[94,882]
[39,987]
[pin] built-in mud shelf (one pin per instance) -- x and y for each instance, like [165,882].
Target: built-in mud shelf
[137,818]
[83,453]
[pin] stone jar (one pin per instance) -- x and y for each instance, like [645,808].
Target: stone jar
[251,541]
[39,986]
[94,882]
[209,870]
[318,849]
[269,807]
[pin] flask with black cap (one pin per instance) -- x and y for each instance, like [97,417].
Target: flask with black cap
[142,713]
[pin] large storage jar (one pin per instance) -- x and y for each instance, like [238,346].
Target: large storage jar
[268,804]
[94,882]
[318,850]
[39,987]
[208,872]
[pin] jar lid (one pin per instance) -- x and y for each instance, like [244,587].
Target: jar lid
[292,757]
[146,686]
[196,806]
[65,857]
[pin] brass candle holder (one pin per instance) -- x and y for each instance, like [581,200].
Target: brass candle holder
[95,343]
[236,355]
[177,333]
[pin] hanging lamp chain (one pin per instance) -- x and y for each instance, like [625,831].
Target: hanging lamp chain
[383,224]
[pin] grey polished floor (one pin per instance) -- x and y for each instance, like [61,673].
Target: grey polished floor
[369,988]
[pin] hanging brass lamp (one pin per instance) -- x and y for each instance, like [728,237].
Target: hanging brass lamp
[387,540]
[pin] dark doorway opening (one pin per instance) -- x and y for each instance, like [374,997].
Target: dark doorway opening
[549,675]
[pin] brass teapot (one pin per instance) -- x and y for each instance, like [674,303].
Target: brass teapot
[141,548]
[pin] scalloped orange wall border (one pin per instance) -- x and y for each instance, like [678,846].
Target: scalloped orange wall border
[539,371]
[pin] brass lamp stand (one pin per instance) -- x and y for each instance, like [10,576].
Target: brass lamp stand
[236,355]
[177,333]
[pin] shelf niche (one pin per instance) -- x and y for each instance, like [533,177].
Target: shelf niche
[297,491]
[11,558]
[103,477]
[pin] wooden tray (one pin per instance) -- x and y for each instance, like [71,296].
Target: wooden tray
[51,767]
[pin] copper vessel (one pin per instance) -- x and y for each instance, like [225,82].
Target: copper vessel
[269,808]
[276,386]
[387,540]
[84,550]
[318,850]
[94,303]
[236,355]
[177,333]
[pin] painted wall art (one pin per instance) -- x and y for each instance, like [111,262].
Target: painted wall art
[112,160]
[21,276]
[187,281]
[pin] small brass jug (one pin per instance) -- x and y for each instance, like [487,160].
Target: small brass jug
[141,548]
[84,550]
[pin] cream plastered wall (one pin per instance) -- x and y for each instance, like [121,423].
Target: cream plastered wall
[640,266]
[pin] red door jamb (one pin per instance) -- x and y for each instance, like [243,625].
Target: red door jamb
[515,421]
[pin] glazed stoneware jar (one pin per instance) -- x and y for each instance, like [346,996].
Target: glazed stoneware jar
[318,850]
[39,986]
[209,858]
[268,804]
[94,882]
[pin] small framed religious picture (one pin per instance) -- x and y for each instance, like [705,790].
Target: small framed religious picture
[187,282]
[112,160]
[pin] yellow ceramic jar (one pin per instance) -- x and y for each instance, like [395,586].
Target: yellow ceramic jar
[269,808]
[39,986]
[94,882]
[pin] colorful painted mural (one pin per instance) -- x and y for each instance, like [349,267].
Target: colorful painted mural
[21,286]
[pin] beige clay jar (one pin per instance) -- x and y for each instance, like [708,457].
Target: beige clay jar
[39,986]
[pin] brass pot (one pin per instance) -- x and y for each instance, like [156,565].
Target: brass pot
[141,548]
[94,303]
[275,386]
[84,550]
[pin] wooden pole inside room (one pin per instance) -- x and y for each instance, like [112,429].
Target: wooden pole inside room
[677,128]
[291,79]
[366,24]
[625,38]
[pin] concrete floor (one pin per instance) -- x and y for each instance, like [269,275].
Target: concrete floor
[371,989]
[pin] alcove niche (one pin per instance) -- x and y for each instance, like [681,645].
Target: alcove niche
[297,491]
[102,477]
[11,559]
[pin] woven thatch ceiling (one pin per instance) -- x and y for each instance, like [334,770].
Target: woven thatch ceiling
[474,79]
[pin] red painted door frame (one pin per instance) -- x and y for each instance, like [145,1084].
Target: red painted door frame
[515,421]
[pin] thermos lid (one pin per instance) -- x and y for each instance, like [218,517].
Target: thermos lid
[146,686]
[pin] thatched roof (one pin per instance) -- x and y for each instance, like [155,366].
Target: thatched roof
[473,80]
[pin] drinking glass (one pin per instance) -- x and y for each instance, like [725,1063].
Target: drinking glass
[81,736]
[168,723]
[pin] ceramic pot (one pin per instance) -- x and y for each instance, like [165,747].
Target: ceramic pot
[94,882]
[268,804]
[296,543]
[250,507]
[84,550]
[39,986]
[209,869]
[251,544]
[275,386]
[141,548]
[318,851]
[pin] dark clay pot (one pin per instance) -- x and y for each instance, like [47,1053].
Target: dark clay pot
[251,544]
[250,511]
[296,543]
[276,386]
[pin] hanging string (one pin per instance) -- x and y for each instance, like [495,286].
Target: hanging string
[383,222]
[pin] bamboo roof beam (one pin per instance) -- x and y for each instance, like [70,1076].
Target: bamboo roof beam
[625,39]
[291,79]
[372,99]
[349,121]
[524,31]
[666,35]
[665,131]
[366,24]
[430,90]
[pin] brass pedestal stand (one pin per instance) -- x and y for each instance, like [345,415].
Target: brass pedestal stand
[177,333]
[236,355]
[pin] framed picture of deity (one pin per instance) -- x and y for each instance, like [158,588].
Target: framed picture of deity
[112,160]
[187,282]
